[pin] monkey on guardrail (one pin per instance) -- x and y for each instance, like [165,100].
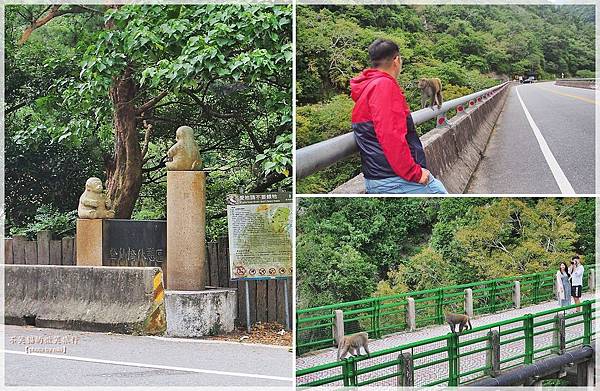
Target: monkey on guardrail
[431,89]
[353,343]
[458,319]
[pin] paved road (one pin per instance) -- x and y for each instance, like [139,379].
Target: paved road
[122,360]
[439,371]
[514,161]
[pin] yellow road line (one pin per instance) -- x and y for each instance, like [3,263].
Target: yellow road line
[592,101]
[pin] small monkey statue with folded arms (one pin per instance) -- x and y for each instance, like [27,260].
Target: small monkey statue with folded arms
[184,155]
[431,89]
[93,203]
[353,343]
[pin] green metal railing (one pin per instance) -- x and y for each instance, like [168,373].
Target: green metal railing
[385,315]
[453,359]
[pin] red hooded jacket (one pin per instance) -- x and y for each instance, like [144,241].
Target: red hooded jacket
[388,145]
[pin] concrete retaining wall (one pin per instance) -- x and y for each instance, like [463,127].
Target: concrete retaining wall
[453,151]
[126,300]
[200,313]
[589,84]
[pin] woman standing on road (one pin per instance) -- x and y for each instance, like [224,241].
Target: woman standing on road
[563,285]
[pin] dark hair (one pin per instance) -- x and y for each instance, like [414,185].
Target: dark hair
[574,257]
[381,51]
[566,268]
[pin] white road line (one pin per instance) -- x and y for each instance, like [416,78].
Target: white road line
[142,365]
[559,175]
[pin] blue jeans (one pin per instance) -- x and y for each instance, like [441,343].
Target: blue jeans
[397,185]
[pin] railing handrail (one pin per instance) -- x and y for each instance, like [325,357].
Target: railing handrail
[528,338]
[318,156]
[578,78]
[417,293]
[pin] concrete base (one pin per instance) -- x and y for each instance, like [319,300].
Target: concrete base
[200,313]
[127,300]
[185,268]
[89,242]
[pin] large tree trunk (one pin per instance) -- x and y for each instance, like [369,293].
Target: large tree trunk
[124,172]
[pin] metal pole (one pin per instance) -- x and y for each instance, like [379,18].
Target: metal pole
[247,306]
[286,299]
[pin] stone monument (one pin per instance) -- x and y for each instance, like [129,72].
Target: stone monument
[185,269]
[93,208]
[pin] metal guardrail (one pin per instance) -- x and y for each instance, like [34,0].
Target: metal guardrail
[578,79]
[384,315]
[318,156]
[387,365]
[590,83]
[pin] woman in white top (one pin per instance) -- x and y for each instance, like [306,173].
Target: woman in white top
[576,271]
[563,285]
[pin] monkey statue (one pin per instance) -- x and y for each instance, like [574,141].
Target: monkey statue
[458,319]
[92,203]
[184,155]
[352,343]
[431,89]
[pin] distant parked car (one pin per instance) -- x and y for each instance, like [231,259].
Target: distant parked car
[530,79]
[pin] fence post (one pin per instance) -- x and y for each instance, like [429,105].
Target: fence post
[350,363]
[536,289]
[374,317]
[453,367]
[492,354]
[516,296]
[493,297]
[592,280]
[19,249]
[587,322]
[346,373]
[558,337]
[528,331]
[411,314]
[378,317]
[406,377]
[337,329]
[439,308]
[8,251]
[43,247]
[469,302]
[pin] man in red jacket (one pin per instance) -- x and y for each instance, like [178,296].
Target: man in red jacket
[391,153]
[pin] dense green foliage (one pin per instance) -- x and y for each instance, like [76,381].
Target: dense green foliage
[223,70]
[468,47]
[352,248]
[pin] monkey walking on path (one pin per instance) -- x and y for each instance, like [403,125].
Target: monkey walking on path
[352,343]
[458,319]
[431,89]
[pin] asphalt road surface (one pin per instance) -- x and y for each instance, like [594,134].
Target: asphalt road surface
[432,373]
[97,359]
[543,143]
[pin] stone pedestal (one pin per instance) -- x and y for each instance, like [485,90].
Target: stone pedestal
[89,242]
[200,313]
[185,268]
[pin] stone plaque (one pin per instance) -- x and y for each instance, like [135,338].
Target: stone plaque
[134,242]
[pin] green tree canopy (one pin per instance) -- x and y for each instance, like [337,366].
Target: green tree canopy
[119,80]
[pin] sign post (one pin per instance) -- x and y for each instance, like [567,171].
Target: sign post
[260,240]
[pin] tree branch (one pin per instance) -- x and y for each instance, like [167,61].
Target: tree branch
[55,11]
[15,107]
[160,164]
[147,135]
[205,107]
[151,103]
